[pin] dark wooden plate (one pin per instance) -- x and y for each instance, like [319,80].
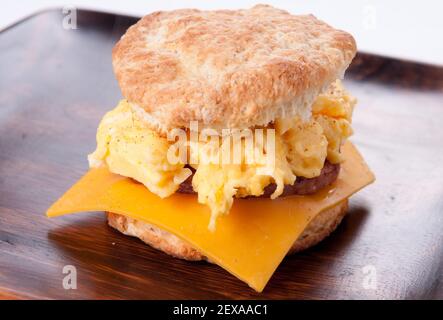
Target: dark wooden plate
[56,84]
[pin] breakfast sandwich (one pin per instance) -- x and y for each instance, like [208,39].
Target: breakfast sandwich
[231,142]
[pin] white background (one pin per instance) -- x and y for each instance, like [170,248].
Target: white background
[409,29]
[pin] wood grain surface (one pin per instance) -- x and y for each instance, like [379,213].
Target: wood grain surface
[56,84]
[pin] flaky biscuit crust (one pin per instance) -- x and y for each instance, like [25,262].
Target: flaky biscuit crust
[228,68]
[318,229]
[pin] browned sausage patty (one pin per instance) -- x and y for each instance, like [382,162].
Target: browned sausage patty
[302,186]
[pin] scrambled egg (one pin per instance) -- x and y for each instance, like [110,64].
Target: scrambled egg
[218,184]
[128,147]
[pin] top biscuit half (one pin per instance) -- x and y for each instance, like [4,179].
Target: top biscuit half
[228,68]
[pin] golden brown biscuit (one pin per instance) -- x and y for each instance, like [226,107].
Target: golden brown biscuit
[318,229]
[228,68]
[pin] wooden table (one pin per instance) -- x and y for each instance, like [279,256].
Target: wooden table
[56,84]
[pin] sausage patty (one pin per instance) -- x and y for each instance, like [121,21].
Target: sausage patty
[302,186]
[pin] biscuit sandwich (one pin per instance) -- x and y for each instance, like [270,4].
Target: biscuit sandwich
[230,144]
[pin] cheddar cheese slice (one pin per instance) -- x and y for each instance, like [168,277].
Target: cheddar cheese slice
[249,242]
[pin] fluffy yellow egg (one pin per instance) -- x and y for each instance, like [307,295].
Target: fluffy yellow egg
[129,148]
